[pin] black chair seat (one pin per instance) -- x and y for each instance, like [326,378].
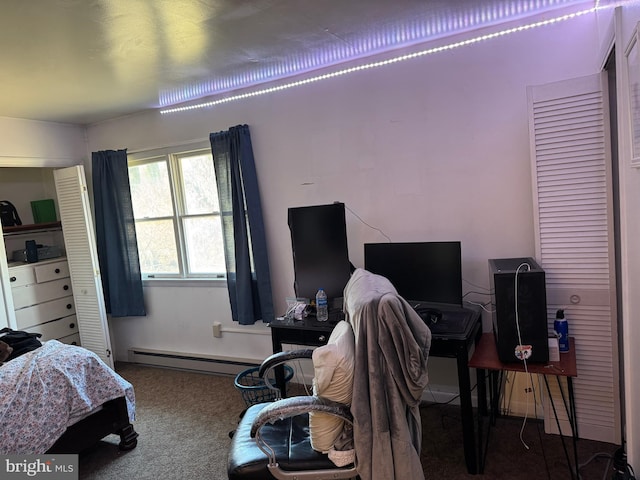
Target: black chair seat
[289,438]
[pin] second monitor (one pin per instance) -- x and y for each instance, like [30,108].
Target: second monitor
[427,272]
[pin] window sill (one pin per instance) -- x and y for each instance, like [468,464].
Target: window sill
[184,282]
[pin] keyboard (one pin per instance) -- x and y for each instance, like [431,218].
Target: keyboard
[444,320]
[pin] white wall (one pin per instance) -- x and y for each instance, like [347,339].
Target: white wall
[434,148]
[30,143]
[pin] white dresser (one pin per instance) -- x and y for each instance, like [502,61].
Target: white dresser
[36,297]
[43,299]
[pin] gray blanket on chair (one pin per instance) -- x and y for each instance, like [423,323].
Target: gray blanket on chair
[392,348]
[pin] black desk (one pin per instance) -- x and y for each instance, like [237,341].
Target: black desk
[313,333]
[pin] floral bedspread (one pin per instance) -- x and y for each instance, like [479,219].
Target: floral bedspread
[44,391]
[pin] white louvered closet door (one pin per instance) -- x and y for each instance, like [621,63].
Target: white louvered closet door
[80,244]
[571,164]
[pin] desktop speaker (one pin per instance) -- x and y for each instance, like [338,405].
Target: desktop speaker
[519,310]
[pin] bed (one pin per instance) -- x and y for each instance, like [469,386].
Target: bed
[62,398]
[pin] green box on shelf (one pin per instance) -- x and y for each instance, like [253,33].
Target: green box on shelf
[44,211]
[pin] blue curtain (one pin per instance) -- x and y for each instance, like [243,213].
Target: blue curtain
[245,246]
[116,235]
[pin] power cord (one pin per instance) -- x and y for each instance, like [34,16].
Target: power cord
[483,306]
[621,469]
[370,226]
[522,351]
[487,292]
[452,399]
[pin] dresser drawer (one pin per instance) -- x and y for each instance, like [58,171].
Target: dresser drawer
[57,328]
[45,312]
[51,271]
[40,292]
[23,275]
[71,339]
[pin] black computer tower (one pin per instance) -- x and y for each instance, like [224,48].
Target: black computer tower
[530,301]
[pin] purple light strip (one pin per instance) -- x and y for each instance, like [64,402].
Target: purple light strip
[415,31]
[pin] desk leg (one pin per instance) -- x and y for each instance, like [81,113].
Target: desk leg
[495,388]
[573,420]
[481,381]
[482,412]
[574,474]
[466,410]
[572,402]
[278,371]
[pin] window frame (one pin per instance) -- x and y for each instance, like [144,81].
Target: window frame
[171,157]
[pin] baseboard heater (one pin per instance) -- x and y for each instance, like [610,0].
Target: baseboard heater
[188,361]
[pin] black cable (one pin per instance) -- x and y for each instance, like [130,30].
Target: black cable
[478,293]
[455,397]
[544,452]
[621,469]
[370,226]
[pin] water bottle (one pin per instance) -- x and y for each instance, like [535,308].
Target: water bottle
[322,307]
[561,327]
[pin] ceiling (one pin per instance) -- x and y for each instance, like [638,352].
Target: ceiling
[83,61]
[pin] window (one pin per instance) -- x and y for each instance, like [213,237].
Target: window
[177,214]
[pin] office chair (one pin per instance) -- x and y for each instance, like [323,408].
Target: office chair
[273,439]
[391,346]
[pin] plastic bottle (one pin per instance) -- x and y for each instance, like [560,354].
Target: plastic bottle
[322,308]
[561,327]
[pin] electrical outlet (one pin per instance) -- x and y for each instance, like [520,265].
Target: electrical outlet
[217,330]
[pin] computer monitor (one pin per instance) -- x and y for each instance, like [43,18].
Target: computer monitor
[320,254]
[427,272]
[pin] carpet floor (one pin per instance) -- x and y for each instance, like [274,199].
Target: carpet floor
[184,419]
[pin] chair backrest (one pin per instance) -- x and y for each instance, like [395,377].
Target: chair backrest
[333,366]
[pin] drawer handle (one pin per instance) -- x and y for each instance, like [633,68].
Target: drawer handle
[12,279]
[69,306]
[66,287]
[72,325]
[322,338]
[57,270]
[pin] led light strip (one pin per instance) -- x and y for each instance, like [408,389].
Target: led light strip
[381,63]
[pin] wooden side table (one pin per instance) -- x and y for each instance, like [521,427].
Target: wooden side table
[485,357]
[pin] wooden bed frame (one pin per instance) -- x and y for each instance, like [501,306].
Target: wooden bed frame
[111,418]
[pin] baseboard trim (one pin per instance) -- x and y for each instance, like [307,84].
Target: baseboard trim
[189,361]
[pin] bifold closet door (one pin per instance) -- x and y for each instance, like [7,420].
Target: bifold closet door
[80,244]
[572,186]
